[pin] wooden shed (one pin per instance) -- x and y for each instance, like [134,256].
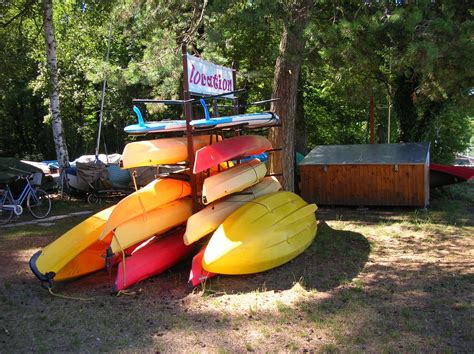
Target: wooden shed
[372,174]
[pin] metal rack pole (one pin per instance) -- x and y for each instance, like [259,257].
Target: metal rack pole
[188,114]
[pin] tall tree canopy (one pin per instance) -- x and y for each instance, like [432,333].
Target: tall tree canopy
[415,58]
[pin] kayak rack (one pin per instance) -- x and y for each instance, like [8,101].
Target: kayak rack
[193,96]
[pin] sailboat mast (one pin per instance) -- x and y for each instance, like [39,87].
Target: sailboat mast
[103,96]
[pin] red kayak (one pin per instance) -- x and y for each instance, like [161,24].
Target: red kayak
[230,149]
[198,275]
[151,258]
[441,175]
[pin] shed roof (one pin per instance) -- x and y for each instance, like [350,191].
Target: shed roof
[376,154]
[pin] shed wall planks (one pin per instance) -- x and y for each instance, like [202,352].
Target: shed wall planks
[366,184]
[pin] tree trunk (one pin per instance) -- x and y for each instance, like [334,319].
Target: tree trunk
[301,144]
[58,132]
[404,106]
[285,86]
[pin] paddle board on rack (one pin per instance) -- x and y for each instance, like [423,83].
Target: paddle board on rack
[252,120]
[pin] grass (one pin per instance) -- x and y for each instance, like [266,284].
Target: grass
[377,280]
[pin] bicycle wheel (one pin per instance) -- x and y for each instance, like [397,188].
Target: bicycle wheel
[6,214]
[39,203]
[93,199]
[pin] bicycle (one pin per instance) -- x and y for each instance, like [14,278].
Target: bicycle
[37,200]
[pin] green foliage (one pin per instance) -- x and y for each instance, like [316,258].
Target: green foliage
[451,130]
[330,117]
[247,33]
[20,110]
[417,56]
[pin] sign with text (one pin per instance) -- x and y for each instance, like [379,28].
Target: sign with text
[207,78]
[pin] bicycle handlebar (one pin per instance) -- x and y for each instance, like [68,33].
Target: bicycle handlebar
[26,177]
[20,177]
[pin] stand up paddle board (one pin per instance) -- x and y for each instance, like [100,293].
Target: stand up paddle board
[252,120]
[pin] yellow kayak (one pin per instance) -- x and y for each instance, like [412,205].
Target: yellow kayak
[161,151]
[263,234]
[208,219]
[154,222]
[154,194]
[75,253]
[233,180]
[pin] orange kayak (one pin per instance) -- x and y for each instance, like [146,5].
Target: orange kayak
[161,151]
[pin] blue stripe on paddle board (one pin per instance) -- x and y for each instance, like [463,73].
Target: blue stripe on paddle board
[155,126]
[241,118]
[180,125]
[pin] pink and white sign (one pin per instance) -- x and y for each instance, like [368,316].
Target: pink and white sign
[207,78]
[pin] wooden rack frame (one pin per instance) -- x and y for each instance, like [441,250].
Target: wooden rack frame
[187,103]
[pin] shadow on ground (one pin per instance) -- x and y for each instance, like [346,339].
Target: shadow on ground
[334,257]
[400,309]
[37,321]
[404,305]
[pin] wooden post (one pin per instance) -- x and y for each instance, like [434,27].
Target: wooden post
[372,120]
[235,101]
[389,118]
[188,114]
[215,109]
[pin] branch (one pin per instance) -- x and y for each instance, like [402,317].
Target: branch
[188,35]
[26,8]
